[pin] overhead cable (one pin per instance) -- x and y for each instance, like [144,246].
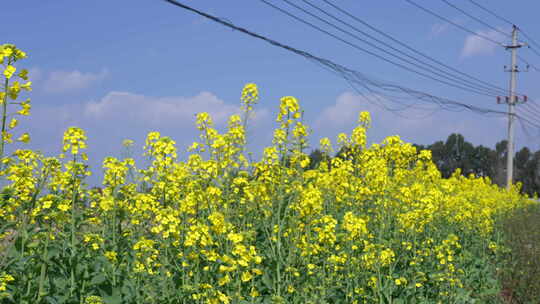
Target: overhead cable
[476,19]
[449,81]
[454,23]
[411,48]
[353,75]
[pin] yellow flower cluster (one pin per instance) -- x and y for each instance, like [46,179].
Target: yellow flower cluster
[372,225]
[250,95]
[146,256]
[74,139]
[5,279]
[93,300]
[10,88]
[93,240]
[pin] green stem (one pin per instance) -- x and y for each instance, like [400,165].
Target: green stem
[82,292]
[44,261]
[26,217]
[115,246]
[73,200]
[4,115]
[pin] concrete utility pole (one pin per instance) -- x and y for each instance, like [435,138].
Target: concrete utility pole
[512,101]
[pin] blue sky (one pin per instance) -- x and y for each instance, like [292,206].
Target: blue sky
[120,69]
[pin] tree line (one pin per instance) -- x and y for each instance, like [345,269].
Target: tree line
[457,153]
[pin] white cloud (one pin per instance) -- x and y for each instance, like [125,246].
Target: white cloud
[344,113]
[411,124]
[476,45]
[161,111]
[35,74]
[121,115]
[64,81]
[438,29]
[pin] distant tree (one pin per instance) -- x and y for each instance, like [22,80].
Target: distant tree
[315,158]
[342,151]
[526,170]
[438,154]
[482,160]
[456,153]
[534,165]
[499,163]
[521,161]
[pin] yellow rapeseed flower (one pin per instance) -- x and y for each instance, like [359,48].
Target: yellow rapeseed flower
[9,71]
[25,138]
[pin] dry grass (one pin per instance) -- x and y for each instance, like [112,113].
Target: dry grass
[521,273]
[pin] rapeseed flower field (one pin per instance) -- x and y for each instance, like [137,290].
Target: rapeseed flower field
[378,224]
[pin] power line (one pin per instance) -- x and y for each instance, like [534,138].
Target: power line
[411,48]
[524,61]
[510,23]
[475,18]
[532,109]
[527,115]
[454,23]
[374,93]
[465,86]
[503,19]
[528,105]
[530,138]
[353,75]
[531,40]
[355,28]
[467,30]
[488,88]
[491,12]
[529,64]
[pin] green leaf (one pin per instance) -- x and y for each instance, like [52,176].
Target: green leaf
[127,290]
[52,253]
[33,244]
[114,299]
[52,300]
[61,283]
[98,279]
[267,281]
